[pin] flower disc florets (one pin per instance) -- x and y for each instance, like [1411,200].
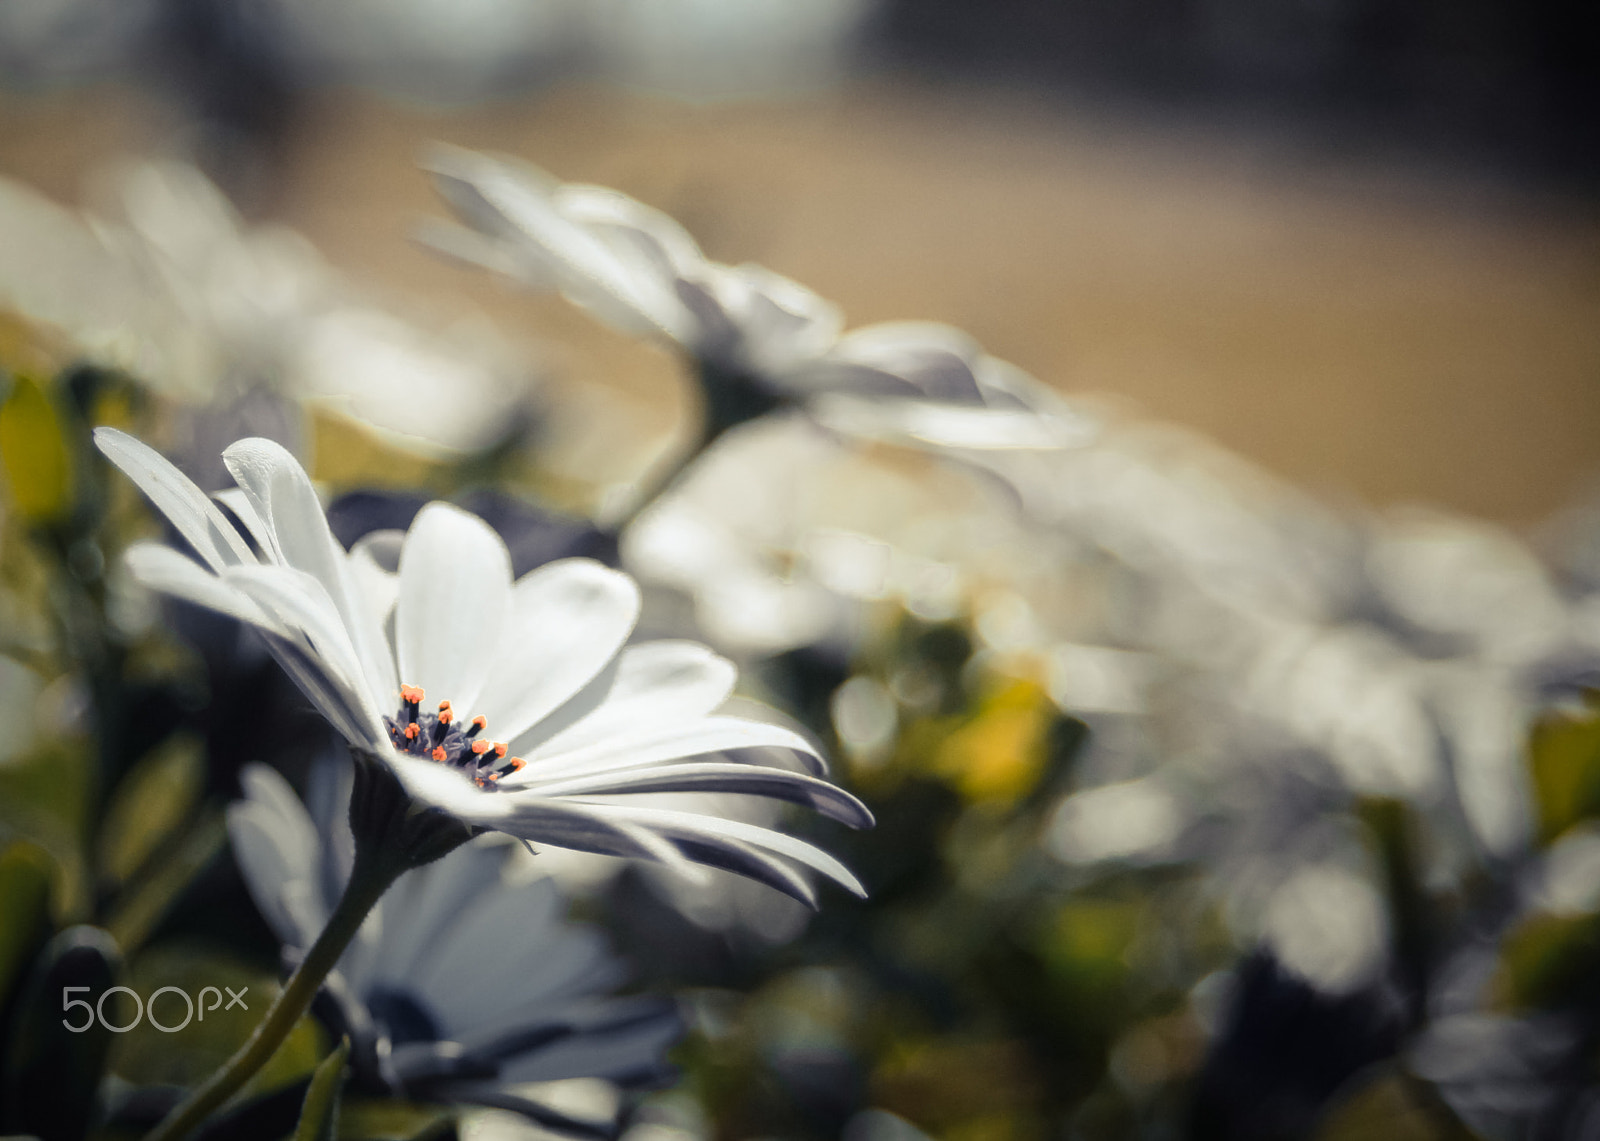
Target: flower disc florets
[440,736]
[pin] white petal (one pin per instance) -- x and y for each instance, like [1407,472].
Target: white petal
[627,223]
[235,500]
[567,620]
[587,828]
[516,205]
[654,683]
[944,425]
[283,497]
[344,710]
[164,569]
[652,745]
[631,1050]
[711,776]
[427,904]
[694,827]
[451,791]
[455,594]
[267,860]
[263,785]
[375,582]
[510,935]
[175,495]
[301,603]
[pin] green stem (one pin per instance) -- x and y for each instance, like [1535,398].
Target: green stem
[369,879]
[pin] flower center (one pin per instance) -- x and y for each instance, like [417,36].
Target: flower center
[440,736]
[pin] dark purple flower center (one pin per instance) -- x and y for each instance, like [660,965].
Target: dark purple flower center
[440,736]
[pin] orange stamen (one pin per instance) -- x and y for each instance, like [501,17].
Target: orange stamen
[517,764]
[480,747]
[438,752]
[480,722]
[446,714]
[499,748]
[411,694]
[412,730]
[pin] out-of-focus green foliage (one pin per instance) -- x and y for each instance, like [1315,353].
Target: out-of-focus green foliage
[1565,758]
[37,464]
[25,874]
[158,794]
[319,1115]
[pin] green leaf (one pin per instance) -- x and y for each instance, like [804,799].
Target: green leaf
[387,1118]
[145,902]
[1385,1103]
[44,798]
[37,464]
[52,1070]
[1548,961]
[148,806]
[1564,754]
[1397,835]
[319,1114]
[26,871]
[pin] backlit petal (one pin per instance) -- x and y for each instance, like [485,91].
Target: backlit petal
[455,598]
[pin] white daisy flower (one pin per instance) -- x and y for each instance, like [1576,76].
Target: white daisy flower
[761,339]
[413,666]
[409,990]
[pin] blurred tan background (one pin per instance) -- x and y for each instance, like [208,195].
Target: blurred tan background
[1372,329]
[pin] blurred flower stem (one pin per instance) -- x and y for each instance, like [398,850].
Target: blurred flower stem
[728,399]
[392,837]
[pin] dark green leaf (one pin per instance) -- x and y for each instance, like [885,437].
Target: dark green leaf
[319,1113]
[53,1070]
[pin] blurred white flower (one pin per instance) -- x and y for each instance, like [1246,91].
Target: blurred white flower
[784,536]
[410,989]
[1138,821]
[758,337]
[203,308]
[1473,586]
[1568,882]
[543,660]
[1328,924]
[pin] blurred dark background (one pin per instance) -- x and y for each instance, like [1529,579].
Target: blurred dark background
[1512,84]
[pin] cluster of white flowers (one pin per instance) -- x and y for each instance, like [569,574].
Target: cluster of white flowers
[1243,653]
[177,289]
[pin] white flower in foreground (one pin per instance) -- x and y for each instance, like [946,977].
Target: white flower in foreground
[771,339]
[409,991]
[414,666]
